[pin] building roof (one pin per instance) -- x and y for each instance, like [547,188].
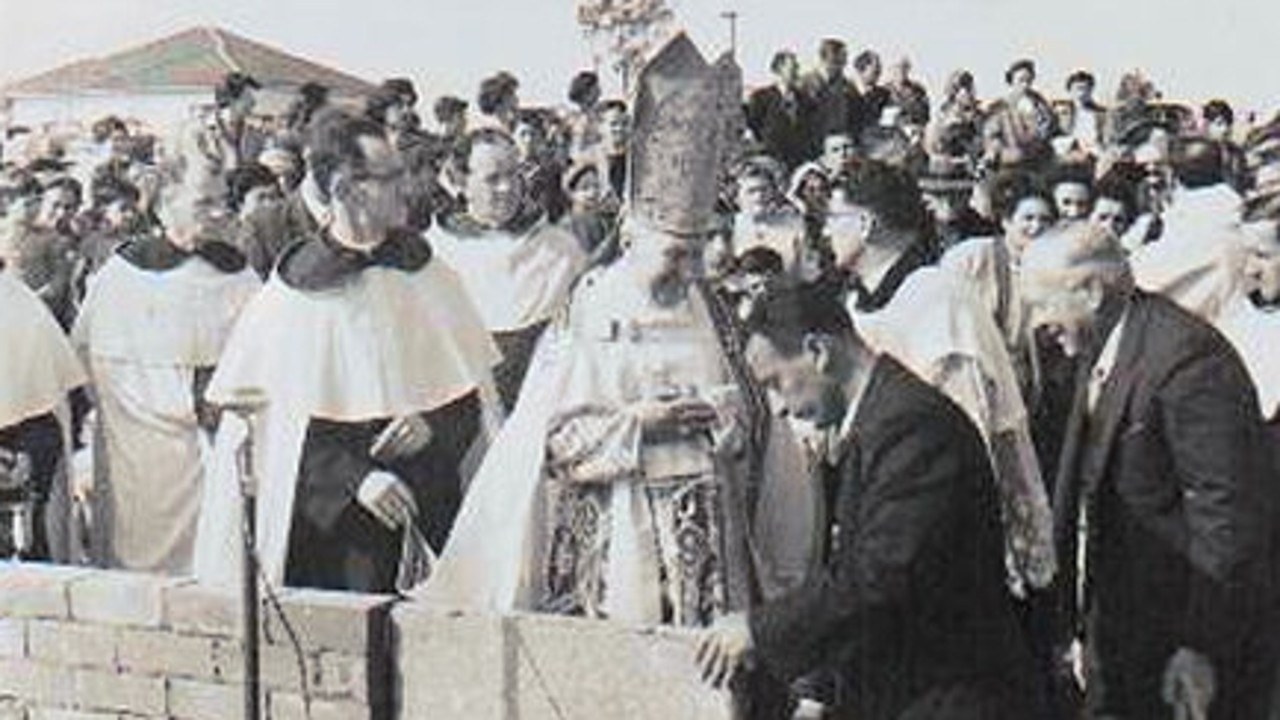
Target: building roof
[195,59]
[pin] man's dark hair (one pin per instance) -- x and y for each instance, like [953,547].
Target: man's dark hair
[496,90]
[865,59]
[760,261]
[1218,110]
[333,142]
[784,316]
[448,107]
[233,85]
[1079,76]
[1020,64]
[244,178]
[1198,162]
[890,192]
[779,58]
[379,102]
[103,128]
[1012,187]
[614,104]
[830,46]
[583,86]
[403,89]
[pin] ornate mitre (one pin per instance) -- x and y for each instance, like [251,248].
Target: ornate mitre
[678,138]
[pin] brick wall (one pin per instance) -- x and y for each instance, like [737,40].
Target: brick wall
[78,644]
[81,644]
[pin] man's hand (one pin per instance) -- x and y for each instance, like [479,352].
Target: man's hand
[402,437]
[680,417]
[387,499]
[723,649]
[1189,684]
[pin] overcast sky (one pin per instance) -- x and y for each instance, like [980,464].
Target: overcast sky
[1193,49]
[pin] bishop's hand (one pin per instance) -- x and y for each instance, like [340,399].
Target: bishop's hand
[723,649]
[680,417]
[388,499]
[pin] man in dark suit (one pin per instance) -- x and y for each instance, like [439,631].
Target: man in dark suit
[777,114]
[837,106]
[1163,517]
[909,607]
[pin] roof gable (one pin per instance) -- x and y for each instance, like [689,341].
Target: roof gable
[192,59]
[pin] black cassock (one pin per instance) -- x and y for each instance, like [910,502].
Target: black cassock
[40,439]
[334,542]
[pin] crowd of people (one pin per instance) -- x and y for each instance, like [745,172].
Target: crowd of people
[917,408]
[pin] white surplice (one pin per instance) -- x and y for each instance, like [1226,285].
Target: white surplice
[145,333]
[384,344]
[516,280]
[37,364]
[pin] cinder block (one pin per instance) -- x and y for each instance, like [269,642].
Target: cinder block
[324,620]
[195,700]
[288,706]
[36,590]
[449,665]
[120,598]
[12,709]
[13,638]
[281,668]
[571,667]
[55,714]
[104,691]
[69,644]
[203,610]
[155,652]
[343,676]
[34,682]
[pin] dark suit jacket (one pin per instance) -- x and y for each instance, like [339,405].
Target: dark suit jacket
[783,132]
[910,608]
[1172,467]
[837,108]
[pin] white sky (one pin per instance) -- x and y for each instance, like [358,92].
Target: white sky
[1193,49]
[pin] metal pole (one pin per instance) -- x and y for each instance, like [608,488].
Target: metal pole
[247,403]
[249,588]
